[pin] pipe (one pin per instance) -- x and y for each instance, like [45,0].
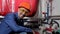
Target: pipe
[50,1]
[47,11]
[55,16]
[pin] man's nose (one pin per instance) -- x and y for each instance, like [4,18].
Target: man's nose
[24,12]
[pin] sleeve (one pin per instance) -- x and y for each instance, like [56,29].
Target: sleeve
[9,20]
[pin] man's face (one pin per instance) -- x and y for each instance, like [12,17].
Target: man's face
[22,12]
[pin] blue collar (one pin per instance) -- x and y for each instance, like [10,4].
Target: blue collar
[16,15]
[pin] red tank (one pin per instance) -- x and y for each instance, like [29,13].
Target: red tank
[10,7]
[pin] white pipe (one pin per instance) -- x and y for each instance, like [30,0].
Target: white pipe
[44,5]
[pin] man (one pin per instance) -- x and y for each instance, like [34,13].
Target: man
[9,22]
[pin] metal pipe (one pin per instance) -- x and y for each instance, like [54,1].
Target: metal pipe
[55,16]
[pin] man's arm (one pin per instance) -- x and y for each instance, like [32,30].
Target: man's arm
[9,20]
